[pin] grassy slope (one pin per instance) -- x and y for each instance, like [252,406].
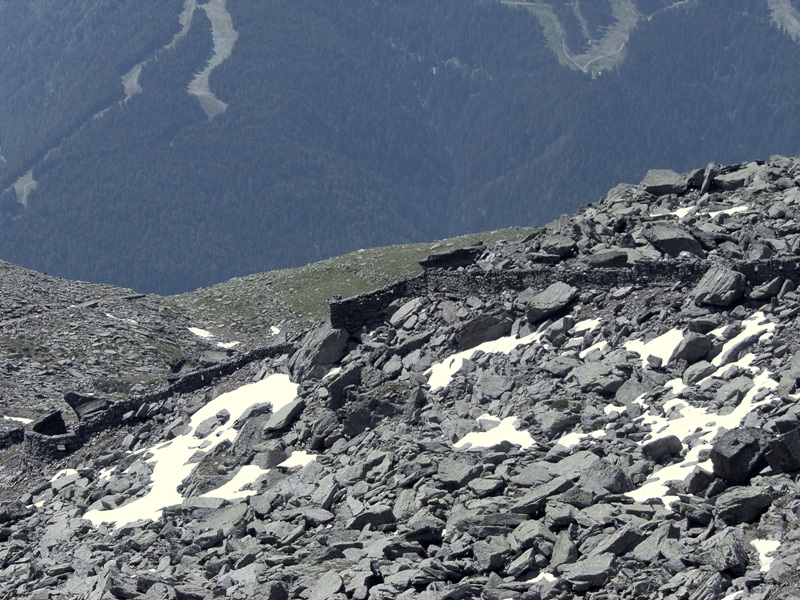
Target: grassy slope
[293,299]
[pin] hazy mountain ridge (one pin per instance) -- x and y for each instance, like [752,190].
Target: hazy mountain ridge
[432,121]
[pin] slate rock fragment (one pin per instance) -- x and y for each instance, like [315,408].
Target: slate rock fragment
[739,454]
[720,286]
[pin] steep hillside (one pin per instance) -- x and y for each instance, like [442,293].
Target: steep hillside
[606,408]
[325,127]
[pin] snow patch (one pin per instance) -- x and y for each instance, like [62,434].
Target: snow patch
[63,473]
[299,458]
[505,431]
[682,420]
[274,330]
[663,346]
[765,549]
[234,489]
[441,374]
[729,211]
[586,325]
[756,326]
[228,345]
[201,333]
[170,459]
[22,420]
[599,346]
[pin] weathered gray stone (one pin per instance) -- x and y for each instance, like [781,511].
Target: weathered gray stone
[619,542]
[783,454]
[285,416]
[404,312]
[323,346]
[590,572]
[661,182]
[742,504]
[553,299]
[720,286]
[672,239]
[692,347]
[738,454]
[484,328]
[534,501]
[665,446]
[374,516]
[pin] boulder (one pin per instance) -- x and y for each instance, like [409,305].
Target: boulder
[783,454]
[322,347]
[590,572]
[672,239]
[659,448]
[693,347]
[285,416]
[661,182]
[551,301]
[742,504]
[484,328]
[720,286]
[613,257]
[739,454]
[452,259]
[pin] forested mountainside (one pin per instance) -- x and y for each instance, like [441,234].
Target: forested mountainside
[329,126]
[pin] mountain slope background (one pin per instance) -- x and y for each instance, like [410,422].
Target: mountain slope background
[349,125]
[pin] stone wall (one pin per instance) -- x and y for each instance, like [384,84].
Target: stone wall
[46,439]
[370,309]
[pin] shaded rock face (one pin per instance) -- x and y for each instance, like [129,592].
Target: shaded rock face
[719,287]
[602,410]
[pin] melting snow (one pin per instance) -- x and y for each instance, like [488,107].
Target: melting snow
[19,420]
[599,346]
[765,548]
[663,346]
[234,489]
[573,439]
[730,211]
[274,330]
[298,459]
[201,332]
[542,577]
[756,326]
[63,473]
[506,431]
[227,345]
[682,420]
[169,459]
[586,325]
[441,374]
[682,212]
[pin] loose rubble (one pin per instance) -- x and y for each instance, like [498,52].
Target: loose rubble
[608,409]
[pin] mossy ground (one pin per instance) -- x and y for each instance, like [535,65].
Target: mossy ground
[293,299]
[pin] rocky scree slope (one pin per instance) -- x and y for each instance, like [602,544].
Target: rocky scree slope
[607,409]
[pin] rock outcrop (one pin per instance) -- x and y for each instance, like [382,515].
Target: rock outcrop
[607,409]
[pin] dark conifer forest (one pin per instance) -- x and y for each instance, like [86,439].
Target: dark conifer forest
[353,124]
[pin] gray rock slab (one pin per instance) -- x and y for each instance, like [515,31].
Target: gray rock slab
[285,416]
[739,454]
[660,182]
[590,572]
[553,299]
[742,504]
[535,500]
[672,239]
[720,286]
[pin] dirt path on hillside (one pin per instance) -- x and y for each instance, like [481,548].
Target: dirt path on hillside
[225,37]
[130,81]
[786,17]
